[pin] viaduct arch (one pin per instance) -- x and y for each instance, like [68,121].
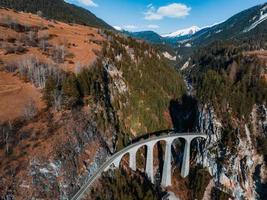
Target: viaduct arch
[114,160]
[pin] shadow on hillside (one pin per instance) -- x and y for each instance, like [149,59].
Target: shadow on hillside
[184,114]
[148,135]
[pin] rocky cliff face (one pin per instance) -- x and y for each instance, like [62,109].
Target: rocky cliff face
[240,172]
[54,168]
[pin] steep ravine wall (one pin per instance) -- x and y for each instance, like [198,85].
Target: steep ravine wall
[238,175]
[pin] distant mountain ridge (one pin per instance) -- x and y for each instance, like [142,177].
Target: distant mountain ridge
[58,10]
[183,32]
[149,36]
[155,38]
[250,23]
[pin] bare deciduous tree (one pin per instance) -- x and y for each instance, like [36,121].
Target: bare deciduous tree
[36,72]
[39,13]
[5,137]
[32,38]
[59,53]
[9,21]
[43,45]
[78,68]
[30,110]
[43,37]
[11,66]
[57,97]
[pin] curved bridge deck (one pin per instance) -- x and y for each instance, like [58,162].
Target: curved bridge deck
[150,142]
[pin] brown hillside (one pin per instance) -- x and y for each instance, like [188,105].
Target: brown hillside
[30,142]
[14,96]
[262,55]
[80,43]
[23,36]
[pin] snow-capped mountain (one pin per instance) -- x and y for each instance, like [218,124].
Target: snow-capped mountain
[118,28]
[260,18]
[250,24]
[247,25]
[183,32]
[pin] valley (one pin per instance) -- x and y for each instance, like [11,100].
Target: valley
[90,112]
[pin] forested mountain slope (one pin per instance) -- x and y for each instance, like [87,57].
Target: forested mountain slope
[248,26]
[58,10]
[230,86]
[92,103]
[75,108]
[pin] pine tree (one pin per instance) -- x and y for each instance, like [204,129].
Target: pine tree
[50,87]
[71,94]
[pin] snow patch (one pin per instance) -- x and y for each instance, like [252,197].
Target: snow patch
[218,31]
[264,8]
[261,19]
[183,32]
[236,178]
[44,171]
[188,45]
[169,56]
[118,57]
[186,65]
[170,196]
[118,28]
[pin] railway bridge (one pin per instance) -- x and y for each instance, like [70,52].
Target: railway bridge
[114,160]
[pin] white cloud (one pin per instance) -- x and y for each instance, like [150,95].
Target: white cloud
[130,27]
[174,10]
[153,26]
[88,3]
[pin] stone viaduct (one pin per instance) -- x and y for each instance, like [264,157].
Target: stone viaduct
[114,161]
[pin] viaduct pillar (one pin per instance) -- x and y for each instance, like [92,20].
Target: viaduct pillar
[186,158]
[167,172]
[149,161]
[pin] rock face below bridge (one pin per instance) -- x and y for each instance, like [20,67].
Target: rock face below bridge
[237,174]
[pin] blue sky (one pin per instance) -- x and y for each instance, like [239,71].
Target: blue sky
[164,16]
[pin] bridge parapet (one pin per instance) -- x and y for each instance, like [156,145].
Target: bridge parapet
[132,149]
[150,143]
